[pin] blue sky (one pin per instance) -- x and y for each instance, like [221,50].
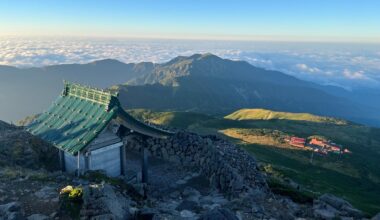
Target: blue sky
[299,20]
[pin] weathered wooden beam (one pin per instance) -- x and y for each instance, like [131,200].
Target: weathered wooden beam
[78,164]
[123,159]
[87,161]
[62,164]
[144,166]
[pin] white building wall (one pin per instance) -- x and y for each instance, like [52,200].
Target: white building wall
[107,159]
[71,162]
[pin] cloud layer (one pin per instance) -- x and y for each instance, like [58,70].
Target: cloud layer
[340,64]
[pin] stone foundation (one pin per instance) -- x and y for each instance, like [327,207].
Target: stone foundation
[228,168]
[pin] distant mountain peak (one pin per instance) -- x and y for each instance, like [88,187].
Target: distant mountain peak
[107,62]
[192,58]
[202,65]
[210,56]
[202,56]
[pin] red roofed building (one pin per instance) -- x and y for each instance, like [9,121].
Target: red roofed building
[321,143]
[335,148]
[346,151]
[297,142]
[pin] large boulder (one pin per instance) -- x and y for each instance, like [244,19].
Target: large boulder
[334,201]
[376,217]
[329,206]
[38,217]
[11,211]
[103,202]
[46,192]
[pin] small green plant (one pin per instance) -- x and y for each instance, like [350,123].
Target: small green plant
[76,194]
[71,201]
[99,177]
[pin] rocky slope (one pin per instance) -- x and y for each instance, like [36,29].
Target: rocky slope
[19,148]
[191,177]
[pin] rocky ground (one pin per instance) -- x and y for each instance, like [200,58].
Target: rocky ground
[176,190]
[19,148]
[171,194]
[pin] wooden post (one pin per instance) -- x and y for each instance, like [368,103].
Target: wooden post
[87,161]
[61,154]
[78,165]
[144,166]
[123,159]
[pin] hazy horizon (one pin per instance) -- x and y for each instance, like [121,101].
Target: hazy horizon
[348,65]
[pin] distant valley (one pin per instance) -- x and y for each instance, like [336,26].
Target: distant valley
[264,137]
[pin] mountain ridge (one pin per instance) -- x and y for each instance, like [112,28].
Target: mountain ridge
[210,83]
[198,82]
[264,114]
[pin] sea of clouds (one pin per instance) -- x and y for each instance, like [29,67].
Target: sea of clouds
[342,64]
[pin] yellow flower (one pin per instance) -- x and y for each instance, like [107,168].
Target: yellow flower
[76,193]
[67,189]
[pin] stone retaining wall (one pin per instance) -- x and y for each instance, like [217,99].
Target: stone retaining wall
[229,168]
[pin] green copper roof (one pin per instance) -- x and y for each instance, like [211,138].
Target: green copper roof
[80,114]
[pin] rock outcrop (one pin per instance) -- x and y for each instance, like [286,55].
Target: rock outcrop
[103,202]
[329,206]
[376,217]
[19,148]
[11,211]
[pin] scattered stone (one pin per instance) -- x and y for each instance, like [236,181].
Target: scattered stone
[53,215]
[227,168]
[175,195]
[352,212]
[187,214]
[104,217]
[208,141]
[11,211]
[3,198]
[46,192]
[324,214]
[334,201]
[38,217]
[376,217]
[218,214]
[191,194]
[10,207]
[329,205]
[102,202]
[146,214]
[188,205]
[181,182]
[56,199]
